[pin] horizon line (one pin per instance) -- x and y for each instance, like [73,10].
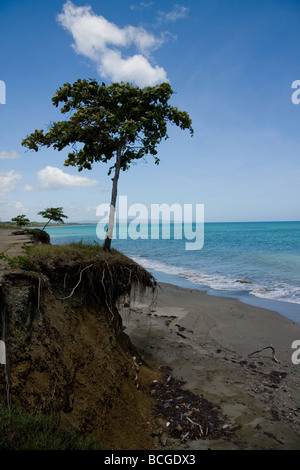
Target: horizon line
[167,221]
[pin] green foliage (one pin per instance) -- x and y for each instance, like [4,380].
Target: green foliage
[68,252]
[72,253]
[20,431]
[21,220]
[53,213]
[7,225]
[22,262]
[106,118]
[60,254]
[119,120]
[19,261]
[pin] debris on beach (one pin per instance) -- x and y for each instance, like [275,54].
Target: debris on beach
[187,415]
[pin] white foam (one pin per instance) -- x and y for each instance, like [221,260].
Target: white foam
[277,291]
[282,292]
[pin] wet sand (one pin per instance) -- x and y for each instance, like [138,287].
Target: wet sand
[207,340]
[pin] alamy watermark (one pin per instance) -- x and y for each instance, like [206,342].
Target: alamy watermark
[2,353]
[157,221]
[296,354]
[296,94]
[2,92]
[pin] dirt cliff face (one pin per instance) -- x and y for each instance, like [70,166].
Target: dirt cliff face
[69,356]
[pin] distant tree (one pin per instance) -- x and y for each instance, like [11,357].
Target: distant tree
[120,121]
[53,213]
[21,220]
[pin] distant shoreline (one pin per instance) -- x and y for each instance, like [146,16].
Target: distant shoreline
[33,224]
[219,222]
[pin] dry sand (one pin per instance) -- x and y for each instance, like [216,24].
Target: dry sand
[11,245]
[207,340]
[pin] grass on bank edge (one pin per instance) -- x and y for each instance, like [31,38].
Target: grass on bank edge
[20,431]
[43,257]
[62,254]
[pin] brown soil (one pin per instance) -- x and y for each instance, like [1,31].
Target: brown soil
[67,358]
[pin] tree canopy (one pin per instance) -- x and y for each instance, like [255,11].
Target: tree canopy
[118,121]
[21,220]
[53,213]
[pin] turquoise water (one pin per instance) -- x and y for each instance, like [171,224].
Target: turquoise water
[257,262]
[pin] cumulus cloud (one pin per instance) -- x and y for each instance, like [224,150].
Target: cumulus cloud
[54,178]
[137,66]
[8,180]
[101,41]
[177,13]
[9,155]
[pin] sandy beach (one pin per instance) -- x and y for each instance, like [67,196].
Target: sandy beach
[206,341]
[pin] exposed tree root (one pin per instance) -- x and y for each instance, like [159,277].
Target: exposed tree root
[96,280]
[74,288]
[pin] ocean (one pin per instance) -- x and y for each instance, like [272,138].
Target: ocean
[256,262]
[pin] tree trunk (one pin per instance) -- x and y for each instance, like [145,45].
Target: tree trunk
[112,210]
[46,224]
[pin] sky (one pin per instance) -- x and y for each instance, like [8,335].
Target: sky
[233,65]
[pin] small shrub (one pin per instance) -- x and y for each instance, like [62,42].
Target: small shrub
[22,262]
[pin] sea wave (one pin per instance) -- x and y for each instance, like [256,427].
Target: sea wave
[280,291]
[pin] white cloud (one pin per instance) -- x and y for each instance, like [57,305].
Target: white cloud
[8,180]
[54,178]
[136,66]
[9,208]
[18,205]
[28,188]
[141,6]
[101,41]
[177,13]
[9,155]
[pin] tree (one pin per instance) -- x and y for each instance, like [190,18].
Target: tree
[117,121]
[53,213]
[21,220]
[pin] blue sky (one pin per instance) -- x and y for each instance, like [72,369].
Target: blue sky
[231,65]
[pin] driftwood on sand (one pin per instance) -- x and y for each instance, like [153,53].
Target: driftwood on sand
[267,347]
